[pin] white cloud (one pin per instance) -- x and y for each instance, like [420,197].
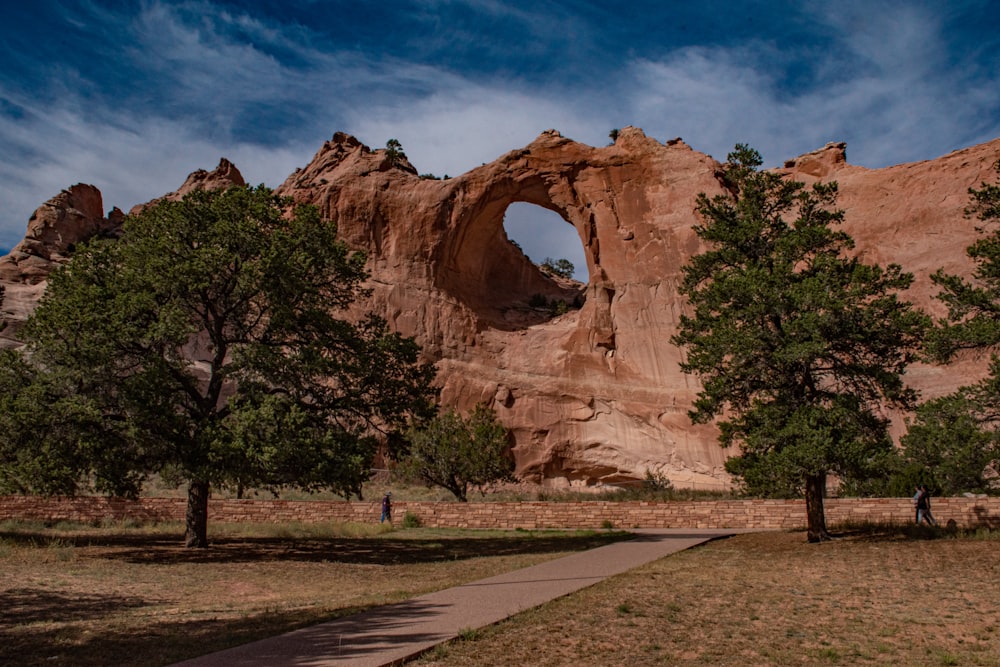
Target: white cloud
[466,125]
[888,90]
[885,86]
[130,160]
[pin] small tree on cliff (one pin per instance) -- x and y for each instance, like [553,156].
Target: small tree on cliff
[796,343]
[394,152]
[204,345]
[557,267]
[456,453]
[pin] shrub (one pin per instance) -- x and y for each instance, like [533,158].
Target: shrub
[538,301]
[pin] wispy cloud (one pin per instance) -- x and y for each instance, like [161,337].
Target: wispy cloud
[185,83]
[888,89]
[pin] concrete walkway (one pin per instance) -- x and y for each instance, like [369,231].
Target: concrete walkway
[387,634]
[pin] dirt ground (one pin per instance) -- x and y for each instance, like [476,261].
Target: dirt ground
[888,598]
[113,596]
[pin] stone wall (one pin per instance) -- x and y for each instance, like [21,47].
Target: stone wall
[765,514]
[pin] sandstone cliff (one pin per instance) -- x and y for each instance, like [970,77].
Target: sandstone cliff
[594,394]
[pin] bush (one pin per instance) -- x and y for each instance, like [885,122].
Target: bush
[458,453]
[538,301]
[557,267]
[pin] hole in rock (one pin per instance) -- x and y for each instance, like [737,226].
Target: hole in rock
[551,281]
[487,266]
[543,234]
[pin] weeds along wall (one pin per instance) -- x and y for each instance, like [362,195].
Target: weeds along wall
[763,514]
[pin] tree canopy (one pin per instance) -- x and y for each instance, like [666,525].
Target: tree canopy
[558,267]
[209,344]
[457,453]
[798,343]
[394,152]
[957,437]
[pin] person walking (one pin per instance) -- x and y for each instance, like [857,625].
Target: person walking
[386,507]
[922,499]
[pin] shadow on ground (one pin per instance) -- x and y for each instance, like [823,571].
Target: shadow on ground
[42,626]
[161,642]
[382,550]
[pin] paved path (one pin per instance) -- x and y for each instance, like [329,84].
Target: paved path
[387,634]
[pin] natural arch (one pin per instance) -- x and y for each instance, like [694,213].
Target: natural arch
[493,276]
[542,233]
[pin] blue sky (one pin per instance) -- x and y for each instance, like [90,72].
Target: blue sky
[132,95]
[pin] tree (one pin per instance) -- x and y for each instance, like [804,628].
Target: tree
[394,152]
[953,441]
[957,437]
[205,345]
[558,267]
[973,320]
[798,345]
[456,453]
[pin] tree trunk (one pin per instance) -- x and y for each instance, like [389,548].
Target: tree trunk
[815,515]
[196,535]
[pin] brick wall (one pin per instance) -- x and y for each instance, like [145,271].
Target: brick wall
[770,514]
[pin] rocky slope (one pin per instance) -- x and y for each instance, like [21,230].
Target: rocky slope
[594,394]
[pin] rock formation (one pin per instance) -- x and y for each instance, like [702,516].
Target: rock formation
[595,394]
[72,216]
[54,229]
[223,176]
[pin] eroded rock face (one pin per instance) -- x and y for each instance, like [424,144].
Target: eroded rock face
[57,226]
[223,176]
[596,394]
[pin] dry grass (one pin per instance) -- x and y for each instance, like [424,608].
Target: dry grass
[120,595]
[403,490]
[871,598]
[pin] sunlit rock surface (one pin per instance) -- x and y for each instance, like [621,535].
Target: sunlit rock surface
[591,389]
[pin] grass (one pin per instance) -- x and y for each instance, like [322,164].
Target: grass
[876,596]
[127,594]
[402,490]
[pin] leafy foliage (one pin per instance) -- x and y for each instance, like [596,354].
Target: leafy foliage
[954,439]
[796,343]
[394,152]
[457,453]
[204,345]
[956,436]
[538,301]
[973,320]
[562,268]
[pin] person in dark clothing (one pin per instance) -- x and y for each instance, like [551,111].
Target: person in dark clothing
[386,508]
[922,499]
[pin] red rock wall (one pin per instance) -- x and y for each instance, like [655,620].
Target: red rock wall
[596,394]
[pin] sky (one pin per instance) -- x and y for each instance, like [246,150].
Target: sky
[133,95]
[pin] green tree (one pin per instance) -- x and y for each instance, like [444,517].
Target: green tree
[973,320]
[205,345]
[956,436]
[558,267]
[456,453]
[394,152]
[797,343]
[953,441]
